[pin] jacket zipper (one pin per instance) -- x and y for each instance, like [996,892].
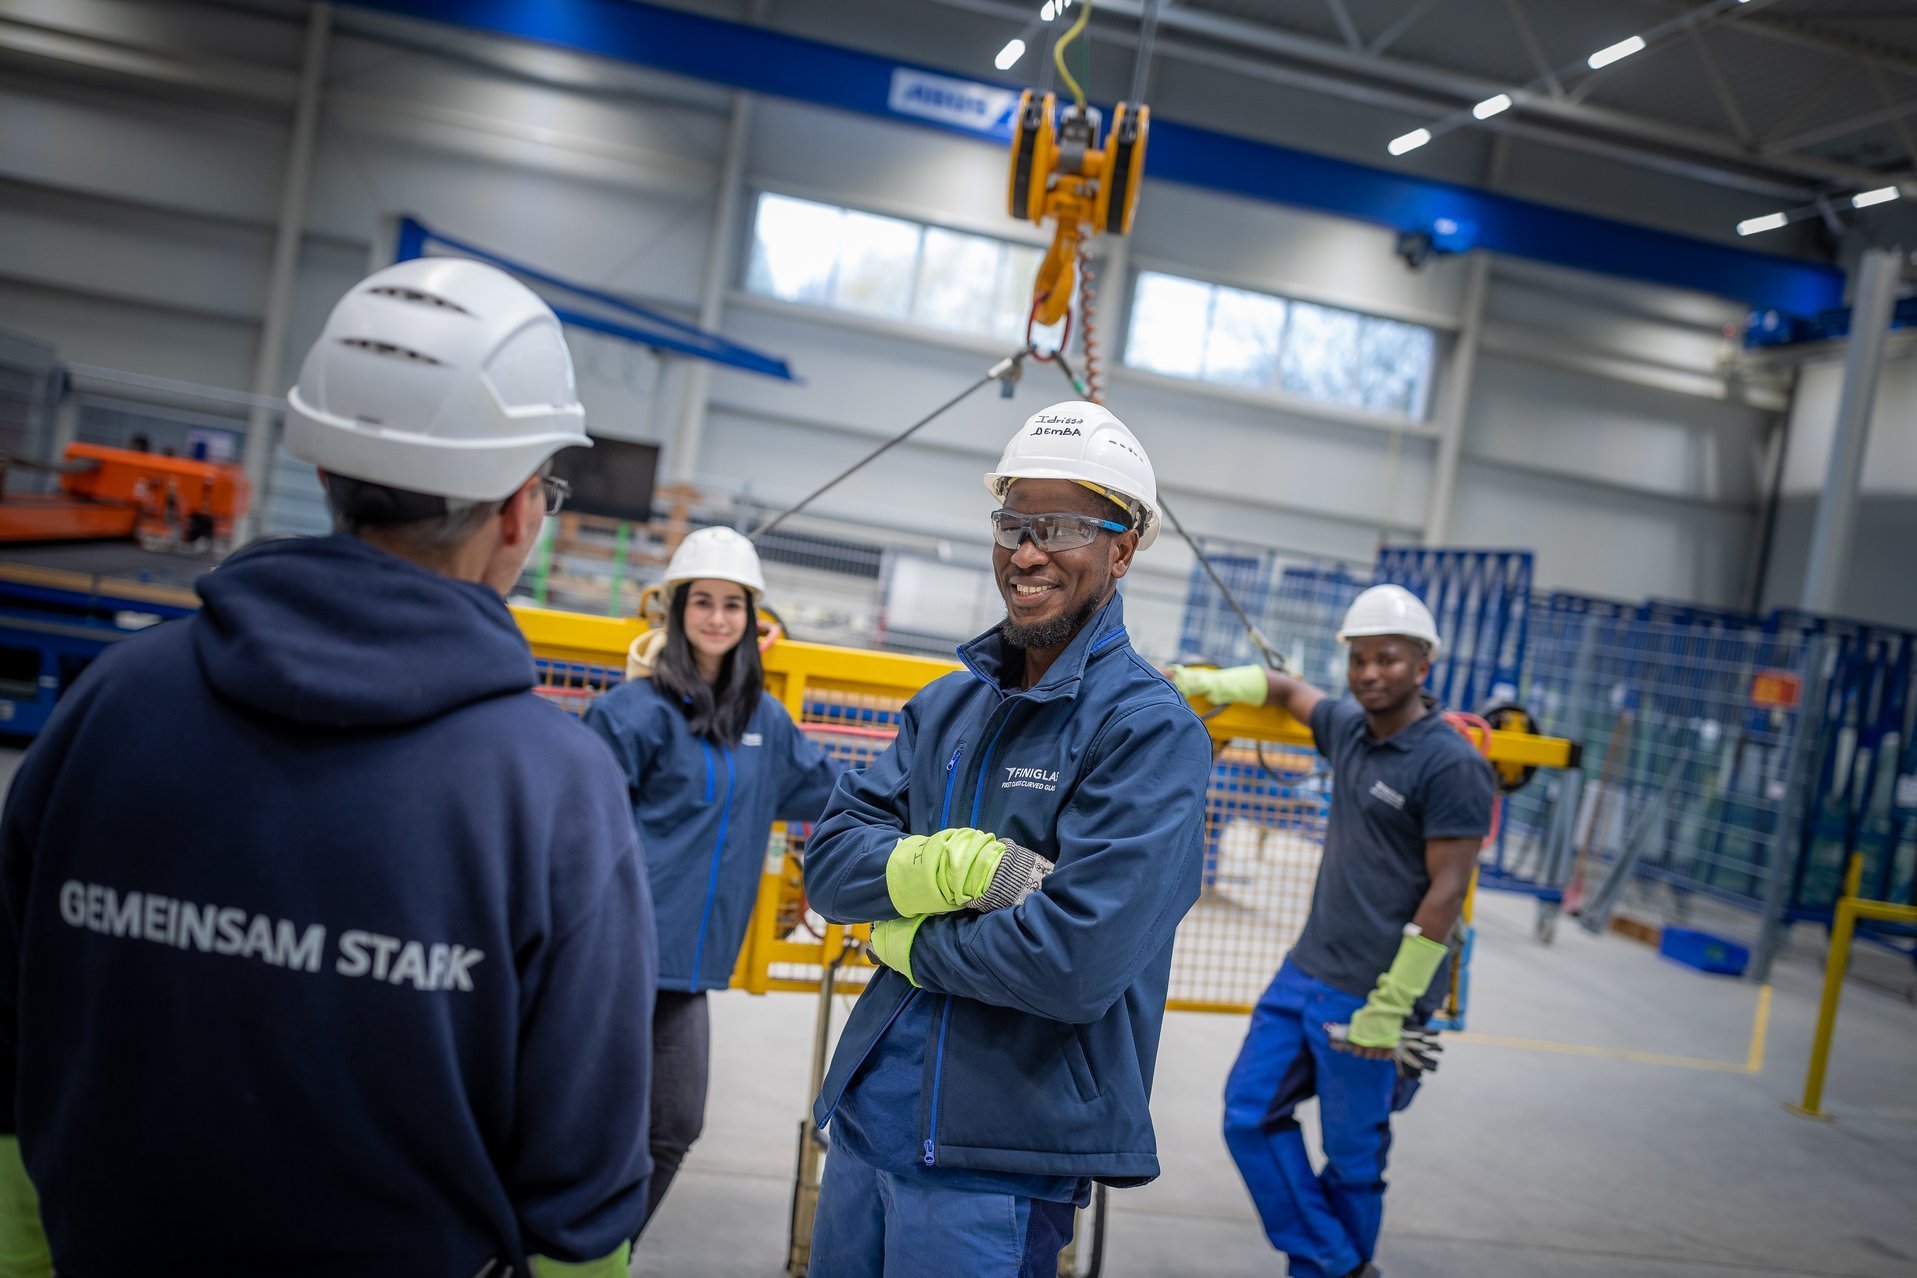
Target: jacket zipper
[984,761]
[938,1071]
[718,854]
[951,777]
[945,1018]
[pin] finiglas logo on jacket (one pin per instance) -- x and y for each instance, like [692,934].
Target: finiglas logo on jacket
[1029,779]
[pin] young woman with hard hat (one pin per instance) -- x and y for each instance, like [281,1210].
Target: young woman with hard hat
[710,762]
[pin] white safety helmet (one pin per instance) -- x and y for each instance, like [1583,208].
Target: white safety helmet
[1389,610]
[439,375]
[717,553]
[1083,442]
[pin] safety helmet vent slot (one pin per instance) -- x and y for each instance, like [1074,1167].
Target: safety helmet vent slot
[389,350]
[416,296]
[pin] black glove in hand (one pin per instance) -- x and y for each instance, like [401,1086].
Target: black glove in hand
[1417,1052]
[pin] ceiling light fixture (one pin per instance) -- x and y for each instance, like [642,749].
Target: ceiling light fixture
[1409,141]
[1758,225]
[1615,53]
[1494,105]
[1014,50]
[1882,195]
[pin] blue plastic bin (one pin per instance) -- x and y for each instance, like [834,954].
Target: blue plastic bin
[1704,951]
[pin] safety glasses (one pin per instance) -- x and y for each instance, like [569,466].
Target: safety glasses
[557,490]
[1049,532]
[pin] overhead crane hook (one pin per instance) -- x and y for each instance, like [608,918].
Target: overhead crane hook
[1066,167]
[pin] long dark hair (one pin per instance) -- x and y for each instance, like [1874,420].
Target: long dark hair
[718,712]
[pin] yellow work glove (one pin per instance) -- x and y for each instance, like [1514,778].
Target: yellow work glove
[23,1243]
[1380,1022]
[953,869]
[892,944]
[1234,685]
[613,1266]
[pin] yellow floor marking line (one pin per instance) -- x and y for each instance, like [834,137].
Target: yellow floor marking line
[1760,1031]
[1753,1062]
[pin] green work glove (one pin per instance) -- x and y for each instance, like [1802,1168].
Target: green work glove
[613,1266]
[1236,685]
[1380,1022]
[892,944]
[953,869]
[23,1243]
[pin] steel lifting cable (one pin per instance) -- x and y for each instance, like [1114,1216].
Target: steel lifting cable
[1142,60]
[1265,649]
[1046,72]
[1007,368]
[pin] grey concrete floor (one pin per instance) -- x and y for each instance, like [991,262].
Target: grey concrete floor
[1521,1158]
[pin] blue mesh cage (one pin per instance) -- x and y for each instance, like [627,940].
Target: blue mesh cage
[1481,600]
[1747,756]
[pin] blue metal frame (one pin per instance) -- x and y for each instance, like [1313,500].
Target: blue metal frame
[1481,600]
[1457,217]
[1770,328]
[655,328]
[67,629]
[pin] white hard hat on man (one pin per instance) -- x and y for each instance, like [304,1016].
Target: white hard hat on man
[1084,443]
[442,376]
[1390,610]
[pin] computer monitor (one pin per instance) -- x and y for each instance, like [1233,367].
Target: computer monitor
[613,478]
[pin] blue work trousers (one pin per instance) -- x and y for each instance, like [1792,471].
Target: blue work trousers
[1327,1225]
[872,1223]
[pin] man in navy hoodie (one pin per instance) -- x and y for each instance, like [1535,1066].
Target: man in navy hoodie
[1025,852]
[325,945]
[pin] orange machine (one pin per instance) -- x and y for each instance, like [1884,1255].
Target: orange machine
[120,492]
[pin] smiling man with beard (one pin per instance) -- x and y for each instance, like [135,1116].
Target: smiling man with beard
[1025,852]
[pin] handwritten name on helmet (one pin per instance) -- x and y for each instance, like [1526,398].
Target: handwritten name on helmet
[1057,424]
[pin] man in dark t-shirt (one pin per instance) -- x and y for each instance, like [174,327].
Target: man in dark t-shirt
[1410,804]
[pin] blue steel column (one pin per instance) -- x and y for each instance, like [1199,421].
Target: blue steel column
[1836,522]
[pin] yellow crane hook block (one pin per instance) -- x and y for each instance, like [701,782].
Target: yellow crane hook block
[1068,168]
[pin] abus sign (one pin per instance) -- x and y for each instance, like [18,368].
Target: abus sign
[980,108]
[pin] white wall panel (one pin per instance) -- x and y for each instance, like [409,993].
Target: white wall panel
[1584,427]
[1890,454]
[1617,545]
[142,339]
[128,146]
[1878,584]
[105,249]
